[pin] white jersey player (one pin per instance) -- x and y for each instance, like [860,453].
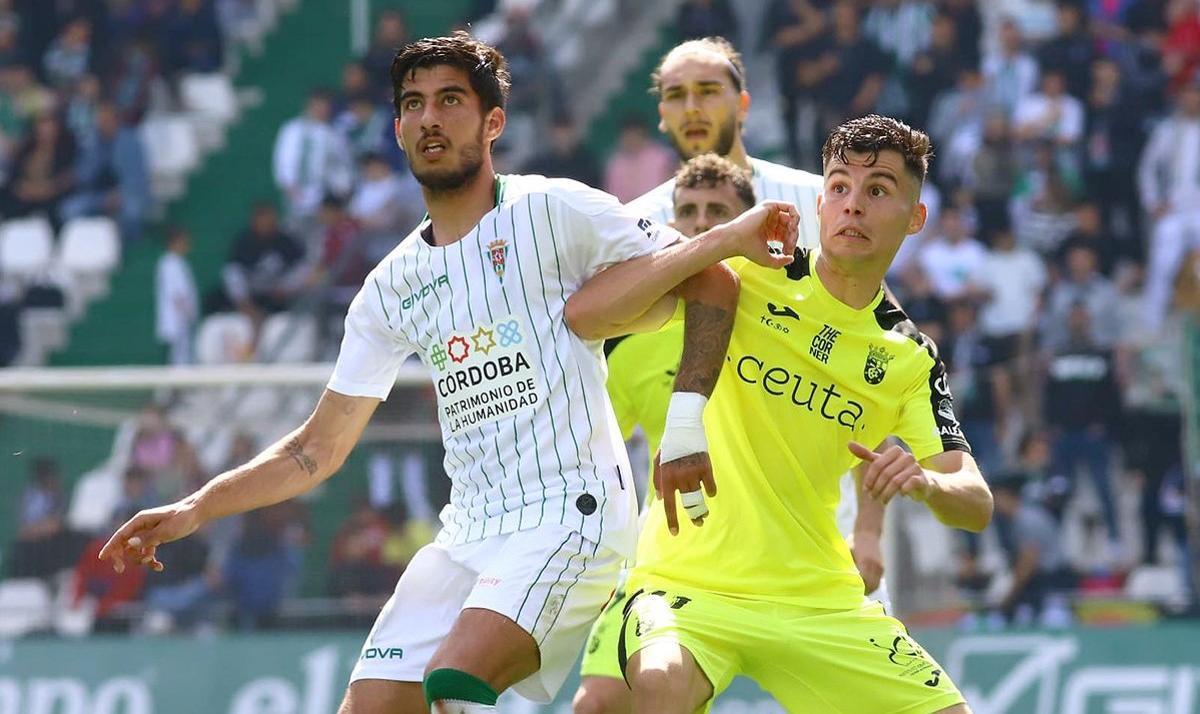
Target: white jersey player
[541,512]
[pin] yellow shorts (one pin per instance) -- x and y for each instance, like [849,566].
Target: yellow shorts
[600,654]
[811,660]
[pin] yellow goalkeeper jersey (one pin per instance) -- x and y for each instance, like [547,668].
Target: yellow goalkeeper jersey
[804,375]
[641,377]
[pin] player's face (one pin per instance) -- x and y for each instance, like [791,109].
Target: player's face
[867,210]
[442,129]
[699,209]
[700,110]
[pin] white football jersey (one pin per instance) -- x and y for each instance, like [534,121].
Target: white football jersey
[529,432]
[772,182]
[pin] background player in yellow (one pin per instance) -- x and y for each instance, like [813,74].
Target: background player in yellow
[768,588]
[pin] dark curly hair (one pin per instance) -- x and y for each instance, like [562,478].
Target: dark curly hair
[872,134]
[484,65]
[710,171]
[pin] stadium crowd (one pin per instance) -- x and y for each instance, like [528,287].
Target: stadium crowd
[1059,259]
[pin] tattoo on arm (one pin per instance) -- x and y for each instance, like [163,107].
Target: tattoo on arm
[296,451]
[706,331]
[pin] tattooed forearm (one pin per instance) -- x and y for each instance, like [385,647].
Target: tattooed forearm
[296,451]
[706,330]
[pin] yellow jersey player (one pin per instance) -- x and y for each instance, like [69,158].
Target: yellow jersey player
[702,107]
[768,588]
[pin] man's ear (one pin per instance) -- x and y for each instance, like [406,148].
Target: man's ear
[917,221]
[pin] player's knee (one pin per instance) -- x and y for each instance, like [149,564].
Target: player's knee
[602,695]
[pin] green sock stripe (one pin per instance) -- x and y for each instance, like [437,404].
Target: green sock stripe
[455,684]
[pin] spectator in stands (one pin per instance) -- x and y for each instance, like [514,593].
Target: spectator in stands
[849,71]
[1082,408]
[1011,73]
[113,178]
[138,491]
[1043,201]
[992,174]
[10,324]
[163,453]
[311,159]
[391,33]
[1033,545]
[364,126]
[969,364]
[1181,46]
[263,273]
[182,595]
[71,56]
[901,28]
[1113,139]
[934,69]
[356,558]
[1051,114]
[387,205]
[43,544]
[1090,231]
[261,568]
[193,38]
[794,30]
[81,106]
[706,18]
[343,265]
[134,81]
[1169,181]
[1081,283]
[956,123]
[176,300]
[639,163]
[566,156]
[952,261]
[1070,51]
[42,171]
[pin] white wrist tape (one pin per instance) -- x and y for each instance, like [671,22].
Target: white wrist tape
[683,434]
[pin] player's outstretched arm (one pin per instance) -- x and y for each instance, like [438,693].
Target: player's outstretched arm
[622,294]
[949,483]
[291,466]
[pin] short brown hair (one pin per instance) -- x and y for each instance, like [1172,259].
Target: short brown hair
[716,45]
[484,65]
[873,134]
[710,171]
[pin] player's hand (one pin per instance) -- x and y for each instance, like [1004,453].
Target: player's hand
[868,558]
[682,475]
[139,538]
[892,471]
[766,234]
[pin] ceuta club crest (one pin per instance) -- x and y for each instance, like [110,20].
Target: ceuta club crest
[498,252]
[876,367]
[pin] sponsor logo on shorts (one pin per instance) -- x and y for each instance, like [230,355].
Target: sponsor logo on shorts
[911,658]
[383,653]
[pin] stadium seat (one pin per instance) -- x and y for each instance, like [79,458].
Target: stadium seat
[89,250]
[211,103]
[94,500]
[26,246]
[287,337]
[1157,583]
[43,330]
[225,338]
[172,151]
[25,606]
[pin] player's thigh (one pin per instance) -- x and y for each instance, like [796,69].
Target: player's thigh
[416,618]
[380,696]
[813,661]
[602,695]
[600,658]
[679,642]
[537,599]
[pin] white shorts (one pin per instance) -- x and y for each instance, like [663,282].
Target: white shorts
[550,580]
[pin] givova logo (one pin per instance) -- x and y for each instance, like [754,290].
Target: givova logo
[383,653]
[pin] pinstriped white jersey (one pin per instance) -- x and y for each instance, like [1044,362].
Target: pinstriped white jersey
[528,428]
[772,182]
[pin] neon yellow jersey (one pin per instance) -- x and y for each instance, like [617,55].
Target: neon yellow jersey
[803,376]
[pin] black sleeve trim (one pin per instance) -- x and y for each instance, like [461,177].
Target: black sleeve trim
[799,267]
[941,403]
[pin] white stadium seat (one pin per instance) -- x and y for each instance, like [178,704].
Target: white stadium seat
[89,250]
[172,150]
[288,338]
[26,246]
[26,606]
[94,500]
[211,104]
[226,338]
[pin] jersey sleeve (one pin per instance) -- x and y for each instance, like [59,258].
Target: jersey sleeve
[372,351]
[599,231]
[927,421]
